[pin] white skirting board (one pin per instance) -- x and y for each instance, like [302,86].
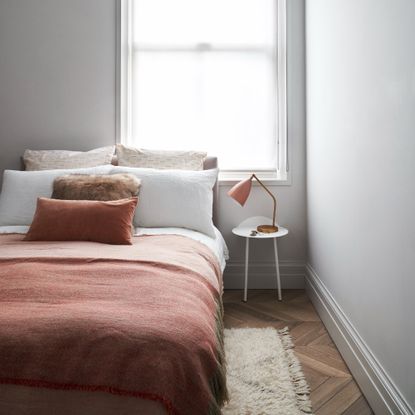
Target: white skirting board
[378,388]
[262,275]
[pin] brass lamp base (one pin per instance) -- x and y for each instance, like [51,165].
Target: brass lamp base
[267,228]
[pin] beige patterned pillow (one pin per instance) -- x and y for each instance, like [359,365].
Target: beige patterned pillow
[63,159]
[160,159]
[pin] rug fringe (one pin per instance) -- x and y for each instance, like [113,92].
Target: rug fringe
[301,387]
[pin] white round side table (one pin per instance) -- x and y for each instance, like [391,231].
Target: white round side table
[247,229]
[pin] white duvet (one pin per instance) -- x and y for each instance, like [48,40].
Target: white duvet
[217,244]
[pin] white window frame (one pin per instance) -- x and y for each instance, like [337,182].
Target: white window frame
[281,173]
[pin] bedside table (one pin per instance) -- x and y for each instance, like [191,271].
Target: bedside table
[244,230]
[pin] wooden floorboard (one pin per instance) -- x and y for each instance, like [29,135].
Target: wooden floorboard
[333,389]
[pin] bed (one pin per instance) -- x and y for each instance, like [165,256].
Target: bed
[87,328]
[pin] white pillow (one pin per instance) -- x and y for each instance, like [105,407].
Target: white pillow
[22,188]
[174,198]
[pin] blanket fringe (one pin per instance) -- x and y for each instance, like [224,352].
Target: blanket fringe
[218,381]
[301,387]
[38,383]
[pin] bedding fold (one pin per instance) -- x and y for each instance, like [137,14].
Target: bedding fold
[143,320]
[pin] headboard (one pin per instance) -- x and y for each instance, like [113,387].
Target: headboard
[212,163]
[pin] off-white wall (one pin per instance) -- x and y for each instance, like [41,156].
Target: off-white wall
[57,90]
[361,170]
[57,76]
[291,199]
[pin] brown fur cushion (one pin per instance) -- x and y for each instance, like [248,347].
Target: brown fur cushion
[96,187]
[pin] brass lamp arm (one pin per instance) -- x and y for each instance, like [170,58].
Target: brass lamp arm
[273,197]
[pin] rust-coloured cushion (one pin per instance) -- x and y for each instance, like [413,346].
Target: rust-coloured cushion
[83,220]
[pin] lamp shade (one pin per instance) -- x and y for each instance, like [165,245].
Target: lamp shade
[240,192]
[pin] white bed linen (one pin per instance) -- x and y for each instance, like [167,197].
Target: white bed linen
[21,189]
[217,244]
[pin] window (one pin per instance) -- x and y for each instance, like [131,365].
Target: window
[206,75]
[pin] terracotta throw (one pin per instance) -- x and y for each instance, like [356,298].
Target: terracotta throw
[142,320]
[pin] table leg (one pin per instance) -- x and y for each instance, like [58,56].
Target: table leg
[246,270]
[277,266]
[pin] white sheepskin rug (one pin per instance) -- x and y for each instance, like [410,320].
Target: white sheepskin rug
[263,375]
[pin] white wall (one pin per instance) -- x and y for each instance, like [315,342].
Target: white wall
[361,170]
[57,90]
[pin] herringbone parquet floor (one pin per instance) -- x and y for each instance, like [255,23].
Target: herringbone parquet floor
[333,389]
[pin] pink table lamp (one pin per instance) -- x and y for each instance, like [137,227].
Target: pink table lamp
[241,191]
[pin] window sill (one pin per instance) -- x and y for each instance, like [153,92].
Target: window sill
[272,178]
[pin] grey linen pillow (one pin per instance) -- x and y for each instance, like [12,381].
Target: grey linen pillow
[159,159]
[63,159]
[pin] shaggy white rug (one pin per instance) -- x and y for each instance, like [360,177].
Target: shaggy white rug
[263,375]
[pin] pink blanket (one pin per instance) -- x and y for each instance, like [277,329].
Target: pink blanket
[141,320]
